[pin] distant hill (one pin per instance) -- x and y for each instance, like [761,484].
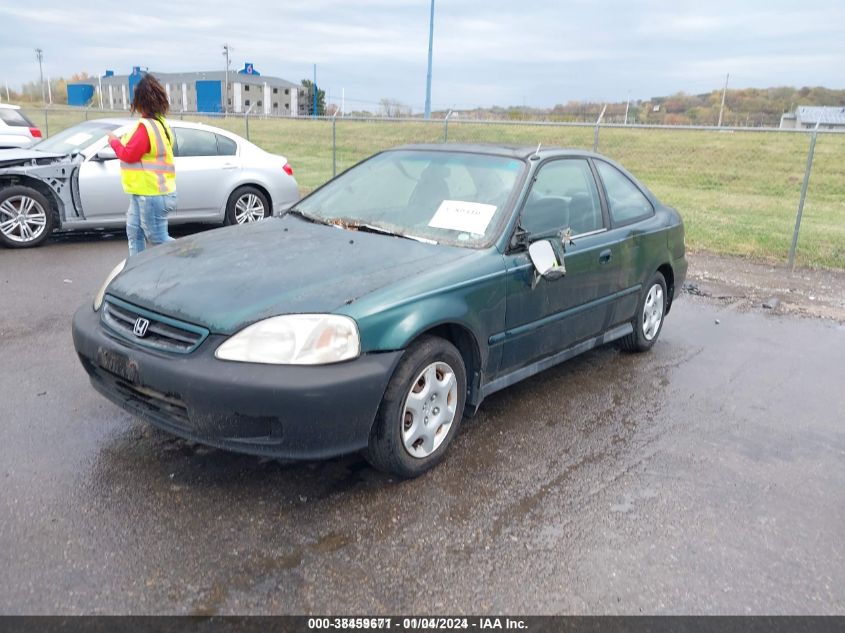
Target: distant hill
[752,107]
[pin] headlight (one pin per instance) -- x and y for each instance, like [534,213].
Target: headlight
[294,339]
[98,299]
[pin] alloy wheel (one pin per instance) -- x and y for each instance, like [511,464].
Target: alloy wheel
[22,219]
[249,208]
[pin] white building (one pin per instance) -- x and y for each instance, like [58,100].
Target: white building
[806,117]
[246,90]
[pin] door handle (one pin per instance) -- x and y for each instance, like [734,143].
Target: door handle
[605,256]
[229,166]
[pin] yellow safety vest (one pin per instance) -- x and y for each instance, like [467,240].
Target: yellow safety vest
[155,175]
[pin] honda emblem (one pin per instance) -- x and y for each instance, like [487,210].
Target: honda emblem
[141,325]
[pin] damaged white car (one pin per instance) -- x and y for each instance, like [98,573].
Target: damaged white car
[72,181]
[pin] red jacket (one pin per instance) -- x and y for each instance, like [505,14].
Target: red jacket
[137,146]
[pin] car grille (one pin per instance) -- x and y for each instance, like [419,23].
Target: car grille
[170,406]
[161,332]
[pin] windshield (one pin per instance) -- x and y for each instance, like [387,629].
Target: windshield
[77,138]
[452,198]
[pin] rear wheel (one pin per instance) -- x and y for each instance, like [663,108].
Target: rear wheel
[649,320]
[26,217]
[247,204]
[421,410]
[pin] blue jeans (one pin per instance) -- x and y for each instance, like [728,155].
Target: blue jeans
[146,220]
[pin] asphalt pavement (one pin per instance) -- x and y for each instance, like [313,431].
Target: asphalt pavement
[705,477]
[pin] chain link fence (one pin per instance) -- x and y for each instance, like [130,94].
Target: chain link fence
[738,189]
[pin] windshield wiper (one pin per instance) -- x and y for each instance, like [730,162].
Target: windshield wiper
[306,217]
[373,228]
[353,225]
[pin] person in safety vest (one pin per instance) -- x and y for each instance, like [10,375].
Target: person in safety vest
[147,170]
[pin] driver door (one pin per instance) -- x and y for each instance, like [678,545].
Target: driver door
[553,315]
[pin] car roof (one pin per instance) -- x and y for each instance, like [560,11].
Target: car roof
[172,123]
[496,149]
[9,106]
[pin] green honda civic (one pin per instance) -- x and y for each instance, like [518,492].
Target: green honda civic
[386,305]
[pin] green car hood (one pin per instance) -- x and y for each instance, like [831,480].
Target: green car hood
[226,279]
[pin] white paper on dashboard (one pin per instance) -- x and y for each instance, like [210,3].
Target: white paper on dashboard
[78,139]
[456,215]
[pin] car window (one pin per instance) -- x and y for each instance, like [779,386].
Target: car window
[226,146]
[626,201]
[13,117]
[564,195]
[190,142]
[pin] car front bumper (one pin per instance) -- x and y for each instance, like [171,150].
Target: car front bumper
[281,411]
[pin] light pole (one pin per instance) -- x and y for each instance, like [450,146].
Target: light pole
[225,103]
[428,76]
[40,55]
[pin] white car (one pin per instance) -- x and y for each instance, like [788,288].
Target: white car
[16,130]
[72,181]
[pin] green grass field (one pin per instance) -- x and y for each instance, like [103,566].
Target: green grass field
[737,191]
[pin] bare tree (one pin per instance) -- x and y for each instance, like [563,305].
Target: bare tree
[394,109]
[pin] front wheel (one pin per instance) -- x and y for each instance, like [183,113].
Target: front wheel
[247,204]
[648,321]
[421,410]
[26,217]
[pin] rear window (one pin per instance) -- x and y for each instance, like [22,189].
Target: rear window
[226,146]
[14,117]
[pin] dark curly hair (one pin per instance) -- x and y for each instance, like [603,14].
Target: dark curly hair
[150,98]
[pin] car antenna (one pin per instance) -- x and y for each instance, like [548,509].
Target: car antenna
[536,153]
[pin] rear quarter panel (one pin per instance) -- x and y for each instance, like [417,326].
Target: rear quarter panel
[651,246]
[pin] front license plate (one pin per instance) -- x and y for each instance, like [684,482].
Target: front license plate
[118,364]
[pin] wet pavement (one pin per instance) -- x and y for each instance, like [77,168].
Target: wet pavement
[707,476]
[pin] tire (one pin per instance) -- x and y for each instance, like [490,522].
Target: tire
[247,204]
[651,312]
[410,436]
[26,217]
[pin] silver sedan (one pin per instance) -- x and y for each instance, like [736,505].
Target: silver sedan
[72,181]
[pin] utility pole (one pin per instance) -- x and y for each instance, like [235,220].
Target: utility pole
[40,55]
[724,92]
[627,103]
[314,91]
[225,103]
[428,76]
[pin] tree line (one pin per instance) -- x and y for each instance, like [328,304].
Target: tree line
[744,107]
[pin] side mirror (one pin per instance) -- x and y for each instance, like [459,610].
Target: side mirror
[545,262]
[107,153]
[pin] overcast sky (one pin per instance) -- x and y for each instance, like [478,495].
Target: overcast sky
[486,52]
